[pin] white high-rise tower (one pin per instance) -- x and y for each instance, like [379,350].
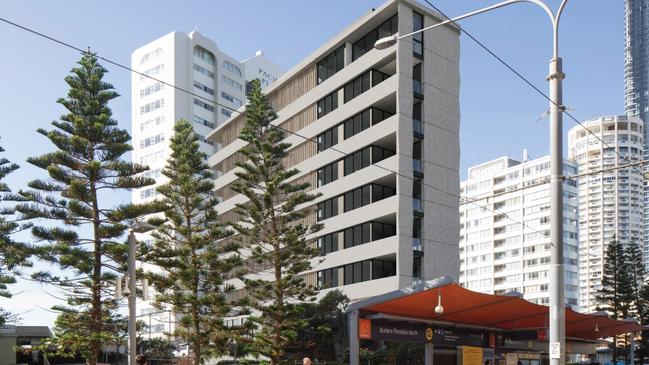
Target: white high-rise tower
[194,63]
[610,199]
[506,247]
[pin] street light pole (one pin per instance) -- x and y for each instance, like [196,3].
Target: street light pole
[139,227]
[132,339]
[555,78]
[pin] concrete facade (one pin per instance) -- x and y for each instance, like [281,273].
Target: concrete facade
[506,247]
[371,248]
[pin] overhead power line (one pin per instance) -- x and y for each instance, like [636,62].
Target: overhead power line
[562,108]
[547,181]
[117,64]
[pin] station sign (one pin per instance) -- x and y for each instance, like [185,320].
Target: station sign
[395,331]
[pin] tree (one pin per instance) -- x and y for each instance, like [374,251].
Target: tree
[13,255]
[273,220]
[636,270]
[194,266]
[84,237]
[326,335]
[616,294]
[640,302]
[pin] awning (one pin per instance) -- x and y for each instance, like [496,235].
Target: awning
[506,312]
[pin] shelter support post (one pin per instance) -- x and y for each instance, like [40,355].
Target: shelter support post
[354,343]
[428,353]
[632,348]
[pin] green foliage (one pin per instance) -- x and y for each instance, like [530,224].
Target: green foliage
[195,266]
[157,348]
[616,294]
[640,293]
[326,336]
[13,255]
[637,274]
[84,231]
[273,219]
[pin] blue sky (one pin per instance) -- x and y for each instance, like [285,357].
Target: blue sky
[499,114]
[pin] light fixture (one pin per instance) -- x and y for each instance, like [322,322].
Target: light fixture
[386,42]
[596,328]
[439,309]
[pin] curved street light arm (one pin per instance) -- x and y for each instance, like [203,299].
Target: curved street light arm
[554,18]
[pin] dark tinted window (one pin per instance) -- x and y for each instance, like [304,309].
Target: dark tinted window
[332,63]
[327,104]
[366,43]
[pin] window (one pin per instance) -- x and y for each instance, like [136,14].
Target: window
[232,99]
[204,88]
[328,243]
[416,111]
[203,121]
[151,157]
[150,141]
[227,65]
[418,39]
[152,72]
[328,174]
[328,209]
[416,80]
[357,161]
[204,55]
[358,235]
[148,193]
[328,104]
[378,77]
[357,86]
[366,43]
[363,120]
[203,105]
[327,139]
[232,83]
[149,107]
[332,63]
[328,278]
[151,123]
[380,192]
[383,269]
[204,71]
[151,89]
[202,138]
[226,112]
[358,198]
[358,272]
[150,55]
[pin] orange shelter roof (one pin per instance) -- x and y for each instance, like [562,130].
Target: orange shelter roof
[506,312]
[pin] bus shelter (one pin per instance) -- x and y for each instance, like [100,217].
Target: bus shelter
[458,326]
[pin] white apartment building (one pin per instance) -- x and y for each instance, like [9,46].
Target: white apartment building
[194,63]
[384,227]
[610,199]
[500,254]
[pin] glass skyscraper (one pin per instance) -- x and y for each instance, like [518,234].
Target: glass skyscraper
[636,83]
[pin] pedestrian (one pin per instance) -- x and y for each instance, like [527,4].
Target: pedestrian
[141,360]
[306,361]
